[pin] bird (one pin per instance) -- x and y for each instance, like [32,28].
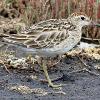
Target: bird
[50,38]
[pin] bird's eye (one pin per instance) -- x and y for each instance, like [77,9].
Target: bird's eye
[82,18]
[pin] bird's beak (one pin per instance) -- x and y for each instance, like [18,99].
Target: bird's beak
[94,23]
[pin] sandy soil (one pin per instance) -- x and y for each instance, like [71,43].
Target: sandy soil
[25,84]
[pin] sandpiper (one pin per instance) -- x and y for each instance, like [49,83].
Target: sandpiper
[50,38]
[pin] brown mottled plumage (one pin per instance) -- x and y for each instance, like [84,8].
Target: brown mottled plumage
[45,34]
[51,37]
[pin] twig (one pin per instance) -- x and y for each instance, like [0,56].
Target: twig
[1,62]
[6,69]
[84,63]
[85,69]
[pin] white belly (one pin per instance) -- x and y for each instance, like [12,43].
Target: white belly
[62,48]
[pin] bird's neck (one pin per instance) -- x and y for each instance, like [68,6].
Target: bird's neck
[77,32]
[79,28]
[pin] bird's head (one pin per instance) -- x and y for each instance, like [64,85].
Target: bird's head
[79,19]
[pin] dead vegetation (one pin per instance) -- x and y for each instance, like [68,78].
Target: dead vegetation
[32,11]
[9,60]
[17,14]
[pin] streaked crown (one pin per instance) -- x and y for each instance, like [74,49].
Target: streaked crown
[79,19]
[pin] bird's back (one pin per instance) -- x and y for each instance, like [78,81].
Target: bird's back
[44,38]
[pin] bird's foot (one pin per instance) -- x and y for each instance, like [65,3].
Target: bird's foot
[59,86]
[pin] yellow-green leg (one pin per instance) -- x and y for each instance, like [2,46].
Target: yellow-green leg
[29,57]
[47,76]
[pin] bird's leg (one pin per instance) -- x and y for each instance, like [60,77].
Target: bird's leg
[31,61]
[59,58]
[44,65]
[29,57]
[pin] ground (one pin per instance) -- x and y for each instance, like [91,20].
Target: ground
[21,80]
[27,84]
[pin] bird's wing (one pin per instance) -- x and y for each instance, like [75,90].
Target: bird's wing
[45,34]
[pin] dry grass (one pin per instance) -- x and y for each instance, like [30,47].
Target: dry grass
[33,11]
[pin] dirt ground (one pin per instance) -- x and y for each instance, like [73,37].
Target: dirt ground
[26,84]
